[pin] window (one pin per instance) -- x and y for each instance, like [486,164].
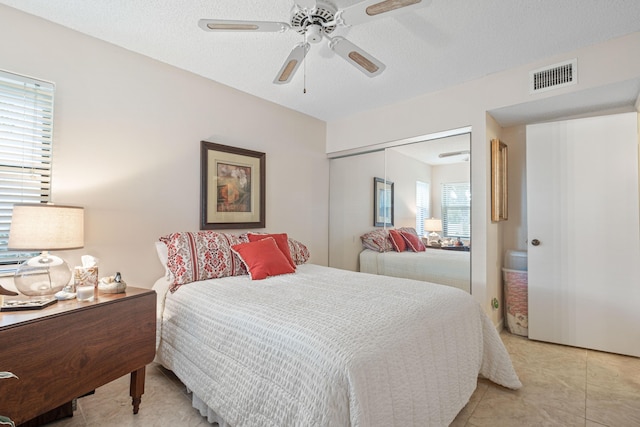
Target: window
[456,210]
[26,129]
[423,205]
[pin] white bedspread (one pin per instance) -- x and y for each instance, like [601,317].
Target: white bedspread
[328,347]
[445,267]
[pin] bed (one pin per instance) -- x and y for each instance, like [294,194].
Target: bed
[445,267]
[327,347]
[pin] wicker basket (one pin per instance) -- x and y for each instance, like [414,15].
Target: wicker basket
[516,301]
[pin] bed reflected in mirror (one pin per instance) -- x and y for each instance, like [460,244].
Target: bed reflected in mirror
[431,212]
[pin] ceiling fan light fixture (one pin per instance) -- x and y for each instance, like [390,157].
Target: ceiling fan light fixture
[388,6]
[314,33]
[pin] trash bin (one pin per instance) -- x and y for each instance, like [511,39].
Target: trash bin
[514,275]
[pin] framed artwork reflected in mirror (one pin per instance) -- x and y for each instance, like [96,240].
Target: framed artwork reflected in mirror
[382,203]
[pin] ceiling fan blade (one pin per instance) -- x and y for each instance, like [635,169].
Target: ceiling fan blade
[291,64]
[228,26]
[356,56]
[373,9]
[306,4]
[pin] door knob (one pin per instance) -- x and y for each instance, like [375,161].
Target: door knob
[535,242]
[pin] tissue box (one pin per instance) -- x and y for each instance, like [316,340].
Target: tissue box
[85,276]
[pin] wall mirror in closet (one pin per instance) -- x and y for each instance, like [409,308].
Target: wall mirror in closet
[431,187]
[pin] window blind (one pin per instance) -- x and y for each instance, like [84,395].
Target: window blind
[26,129]
[423,200]
[456,210]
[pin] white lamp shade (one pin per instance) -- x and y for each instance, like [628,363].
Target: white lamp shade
[40,227]
[433,224]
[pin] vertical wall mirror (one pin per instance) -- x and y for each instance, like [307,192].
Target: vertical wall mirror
[431,182]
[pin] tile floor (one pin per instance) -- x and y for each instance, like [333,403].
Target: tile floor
[563,386]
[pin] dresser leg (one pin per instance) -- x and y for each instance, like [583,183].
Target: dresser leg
[137,388]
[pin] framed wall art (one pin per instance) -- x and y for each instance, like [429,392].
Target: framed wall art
[382,203]
[232,187]
[499,211]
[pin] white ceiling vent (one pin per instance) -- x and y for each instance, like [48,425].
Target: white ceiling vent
[553,76]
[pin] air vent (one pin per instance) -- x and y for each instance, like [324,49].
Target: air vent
[554,76]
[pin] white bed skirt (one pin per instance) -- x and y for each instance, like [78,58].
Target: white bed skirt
[207,412]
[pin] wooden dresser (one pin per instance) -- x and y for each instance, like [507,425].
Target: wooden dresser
[70,348]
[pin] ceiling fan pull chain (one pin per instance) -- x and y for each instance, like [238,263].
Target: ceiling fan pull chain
[304,64]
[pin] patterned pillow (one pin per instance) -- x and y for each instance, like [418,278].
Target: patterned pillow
[377,240]
[408,230]
[202,255]
[299,252]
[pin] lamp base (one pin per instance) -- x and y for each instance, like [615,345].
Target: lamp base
[433,237]
[45,274]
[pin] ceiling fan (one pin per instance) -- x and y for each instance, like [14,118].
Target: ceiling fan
[317,19]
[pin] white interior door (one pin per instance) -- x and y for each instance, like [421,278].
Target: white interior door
[583,209]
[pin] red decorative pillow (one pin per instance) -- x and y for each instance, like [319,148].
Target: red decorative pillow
[282,240]
[413,241]
[202,255]
[263,258]
[399,244]
[299,252]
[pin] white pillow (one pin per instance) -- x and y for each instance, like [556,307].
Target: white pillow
[163,256]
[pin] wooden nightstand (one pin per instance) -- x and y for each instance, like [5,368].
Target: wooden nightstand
[71,348]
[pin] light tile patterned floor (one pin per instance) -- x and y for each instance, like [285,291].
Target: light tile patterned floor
[563,386]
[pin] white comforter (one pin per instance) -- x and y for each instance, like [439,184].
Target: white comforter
[328,347]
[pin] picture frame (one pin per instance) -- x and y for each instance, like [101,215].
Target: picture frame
[232,187]
[27,304]
[499,198]
[382,202]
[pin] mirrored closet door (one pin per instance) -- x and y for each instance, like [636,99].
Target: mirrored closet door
[431,194]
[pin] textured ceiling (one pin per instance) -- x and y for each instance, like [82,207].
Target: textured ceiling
[449,42]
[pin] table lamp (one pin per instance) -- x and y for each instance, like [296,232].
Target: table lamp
[433,225]
[44,227]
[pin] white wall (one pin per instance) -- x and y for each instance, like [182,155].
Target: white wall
[467,105]
[404,171]
[127,139]
[515,230]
